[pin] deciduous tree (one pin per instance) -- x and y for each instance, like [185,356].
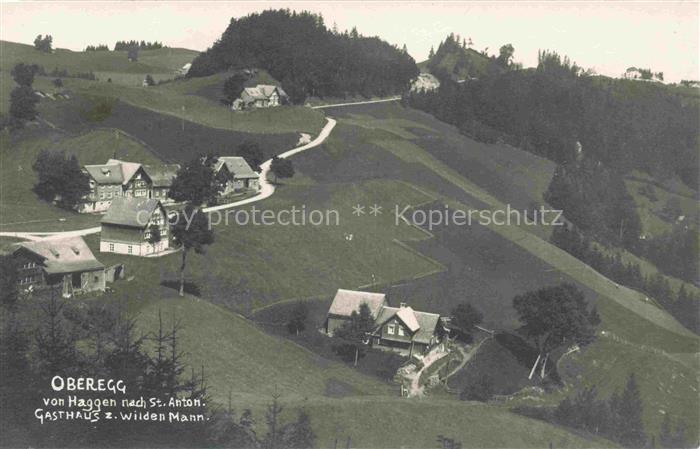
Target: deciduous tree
[281,168]
[464,317]
[252,153]
[192,231]
[61,179]
[297,320]
[196,182]
[233,86]
[355,333]
[553,317]
[24,74]
[22,105]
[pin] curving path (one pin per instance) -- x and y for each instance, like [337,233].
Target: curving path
[383,100]
[266,190]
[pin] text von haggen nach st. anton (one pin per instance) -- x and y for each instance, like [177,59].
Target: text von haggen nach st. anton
[91,399]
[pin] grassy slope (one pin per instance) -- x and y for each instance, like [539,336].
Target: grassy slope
[164,61]
[18,203]
[397,422]
[252,365]
[246,361]
[251,266]
[664,343]
[170,99]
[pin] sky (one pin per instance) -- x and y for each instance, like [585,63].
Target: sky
[606,36]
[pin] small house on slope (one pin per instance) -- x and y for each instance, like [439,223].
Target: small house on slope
[260,96]
[135,226]
[401,329]
[65,263]
[237,173]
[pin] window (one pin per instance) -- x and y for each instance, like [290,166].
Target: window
[400,329]
[26,280]
[111,247]
[129,249]
[390,329]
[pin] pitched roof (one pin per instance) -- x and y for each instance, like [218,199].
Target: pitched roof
[128,168]
[237,166]
[63,255]
[263,91]
[427,322]
[162,175]
[421,323]
[408,316]
[129,211]
[347,301]
[105,173]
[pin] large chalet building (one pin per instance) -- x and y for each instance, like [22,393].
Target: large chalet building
[237,174]
[130,224]
[260,96]
[119,178]
[62,263]
[400,329]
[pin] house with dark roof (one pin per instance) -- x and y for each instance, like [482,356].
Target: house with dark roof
[237,174]
[63,263]
[260,96]
[161,177]
[135,226]
[401,329]
[119,178]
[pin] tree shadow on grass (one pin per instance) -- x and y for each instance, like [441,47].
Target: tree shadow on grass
[190,287]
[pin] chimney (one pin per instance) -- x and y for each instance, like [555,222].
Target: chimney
[402,305]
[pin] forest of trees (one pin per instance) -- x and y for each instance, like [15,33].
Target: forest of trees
[682,304]
[598,130]
[99,47]
[141,45]
[44,335]
[618,418]
[623,124]
[308,58]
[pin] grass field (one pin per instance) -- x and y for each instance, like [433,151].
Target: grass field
[170,99]
[252,365]
[20,209]
[171,138]
[189,99]
[160,63]
[251,266]
[651,210]
[624,312]
[405,423]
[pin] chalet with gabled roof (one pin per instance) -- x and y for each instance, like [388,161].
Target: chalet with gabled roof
[135,226]
[161,177]
[401,329]
[238,175]
[260,96]
[66,263]
[119,178]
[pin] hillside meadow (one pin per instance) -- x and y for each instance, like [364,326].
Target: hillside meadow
[625,313]
[20,209]
[161,63]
